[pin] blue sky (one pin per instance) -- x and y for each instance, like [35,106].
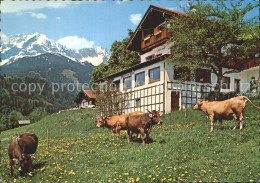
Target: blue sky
[80,24]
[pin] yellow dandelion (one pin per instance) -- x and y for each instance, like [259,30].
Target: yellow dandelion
[137,179]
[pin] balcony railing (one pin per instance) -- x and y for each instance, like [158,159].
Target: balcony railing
[155,39]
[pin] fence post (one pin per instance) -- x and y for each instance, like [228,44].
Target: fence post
[47,138]
[60,129]
[186,118]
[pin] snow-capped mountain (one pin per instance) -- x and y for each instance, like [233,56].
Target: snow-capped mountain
[22,45]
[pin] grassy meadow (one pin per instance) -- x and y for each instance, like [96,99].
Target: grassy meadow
[178,151]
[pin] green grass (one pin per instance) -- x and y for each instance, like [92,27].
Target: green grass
[179,151]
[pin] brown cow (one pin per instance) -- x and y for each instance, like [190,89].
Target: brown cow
[224,110]
[142,123]
[121,122]
[21,150]
[111,122]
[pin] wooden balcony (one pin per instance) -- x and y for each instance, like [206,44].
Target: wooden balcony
[252,63]
[155,39]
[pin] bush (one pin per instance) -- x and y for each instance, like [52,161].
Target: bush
[38,114]
[222,96]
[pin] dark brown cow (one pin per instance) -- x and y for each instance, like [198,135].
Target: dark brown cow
[21,150]
[142,124]
[224,110]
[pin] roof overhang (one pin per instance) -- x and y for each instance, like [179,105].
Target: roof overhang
[135,67]
[152,18]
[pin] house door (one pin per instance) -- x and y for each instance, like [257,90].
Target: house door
[175,101]
[237,85]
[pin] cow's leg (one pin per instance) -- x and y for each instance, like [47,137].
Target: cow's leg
[241,121]
[129,135]
[235,120]
[211,123]
[12,167]
[117,133]
[142,135]
[220,124]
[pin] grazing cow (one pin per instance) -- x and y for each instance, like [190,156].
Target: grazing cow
[142,123]
[224,110]
[21,150]
[121,122]
[111,122]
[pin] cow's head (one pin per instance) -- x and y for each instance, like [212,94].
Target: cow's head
[198,105]
[155,117]
[26,163]
[101,121]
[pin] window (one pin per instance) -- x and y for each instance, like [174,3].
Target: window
[140,79]
[203,76]
[180,74]
[154,74]
[225,82]
[138,102]
[116,84]
[127,82]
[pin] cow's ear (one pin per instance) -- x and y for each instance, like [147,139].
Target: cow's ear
[150,115]
[201,102]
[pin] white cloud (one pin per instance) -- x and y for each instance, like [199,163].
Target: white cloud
[38,15]
[135,18]
[172,8]
[184,4]
[120,1]
[75,42]
[19,6]
[58,18]
[32,14]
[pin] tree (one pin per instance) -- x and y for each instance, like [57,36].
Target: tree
[110,101]
[214,37]
[120,59]
[13,120]
[4,123]
[37,114]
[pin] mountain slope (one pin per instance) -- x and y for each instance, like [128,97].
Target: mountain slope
[50,67]
[21,45]
[40,96]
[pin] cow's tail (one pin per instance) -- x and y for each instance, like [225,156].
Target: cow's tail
[247,99]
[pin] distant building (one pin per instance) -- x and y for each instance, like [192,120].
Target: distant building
[23,122]
[86,99]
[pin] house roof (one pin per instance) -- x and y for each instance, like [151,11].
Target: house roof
[254,62]
[90,94]
[132,44]
[23,122]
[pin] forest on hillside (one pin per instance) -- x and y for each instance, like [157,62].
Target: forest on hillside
[18,103]
[120,59]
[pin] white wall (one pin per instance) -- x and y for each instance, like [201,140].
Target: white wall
[245,78]
[158,88]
